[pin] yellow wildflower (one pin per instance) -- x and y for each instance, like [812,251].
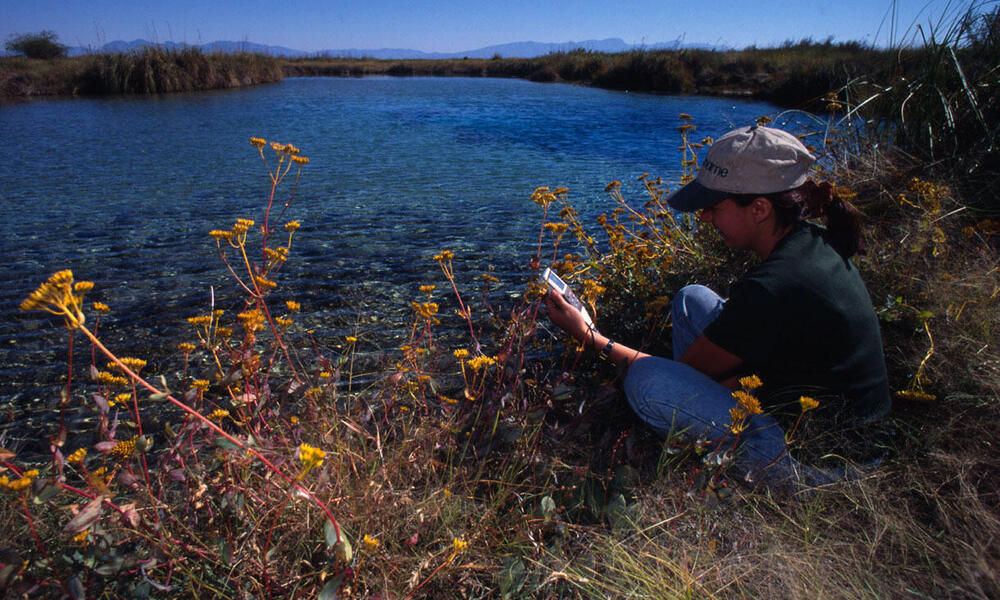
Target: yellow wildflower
[480,362]
[461,353]
[252,320]
[324,375]
[351,339]
[219,234]
[57,296]
[135,364]
[490,278]
[264,283]
[218,414]
[445,255]
[292,226]
[750,382]
[370,543]
[310,457]
[427,289]
[200,384]
[277,255]
[808,403]
[123,449]
[185,347]
[747,403]
[283,321]
[81,537]
[302,160]
[293,306]
[101,307]
[109,379]
[19,484]
[258,142]
[459,544]
[120,399]
[426,310]
[77,456]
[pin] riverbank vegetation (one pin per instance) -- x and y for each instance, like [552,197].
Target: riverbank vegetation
[150,71]
[508,465]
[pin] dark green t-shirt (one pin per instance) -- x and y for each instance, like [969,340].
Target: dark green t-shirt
[803,319]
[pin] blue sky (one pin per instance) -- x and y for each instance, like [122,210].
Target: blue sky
[457,25]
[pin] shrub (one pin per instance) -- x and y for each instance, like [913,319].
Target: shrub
[36,45]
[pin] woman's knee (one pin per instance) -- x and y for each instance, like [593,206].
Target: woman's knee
[692,301]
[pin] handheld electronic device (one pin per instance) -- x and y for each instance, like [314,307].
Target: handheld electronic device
[555,282]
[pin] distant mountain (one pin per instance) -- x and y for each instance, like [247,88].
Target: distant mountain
[512,50]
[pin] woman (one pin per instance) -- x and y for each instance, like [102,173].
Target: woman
[800,320]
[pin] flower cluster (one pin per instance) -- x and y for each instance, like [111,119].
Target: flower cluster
[18,484]
[60,296]
[310,456]
[426,310]
[480,362]
[77,456]
[123,449]
[747,405]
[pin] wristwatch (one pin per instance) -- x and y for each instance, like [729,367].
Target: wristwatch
[605,353]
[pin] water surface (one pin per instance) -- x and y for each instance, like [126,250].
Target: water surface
[124,190]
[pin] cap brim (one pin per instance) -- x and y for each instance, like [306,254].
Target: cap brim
[695,196]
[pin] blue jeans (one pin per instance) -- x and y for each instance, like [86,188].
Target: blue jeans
[675,399]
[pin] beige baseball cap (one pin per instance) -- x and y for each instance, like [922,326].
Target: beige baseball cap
[749,160]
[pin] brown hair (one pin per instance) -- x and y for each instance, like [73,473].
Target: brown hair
[813,200]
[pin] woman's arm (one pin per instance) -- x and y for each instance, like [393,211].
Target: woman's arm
[568,318]
[712,360]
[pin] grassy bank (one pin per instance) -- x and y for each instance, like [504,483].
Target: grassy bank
[793,75]
[151,71]
[509,466]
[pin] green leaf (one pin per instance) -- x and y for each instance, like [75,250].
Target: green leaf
[342,552]
[331,590]
[330,531]
[225,443]
[86,517]
[548,507]
[617,511]
[45,491]
[513,578]
[226,552]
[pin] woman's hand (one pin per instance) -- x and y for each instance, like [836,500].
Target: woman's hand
[566,317]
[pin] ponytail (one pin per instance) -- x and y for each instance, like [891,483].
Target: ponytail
[813,200]
[843,221]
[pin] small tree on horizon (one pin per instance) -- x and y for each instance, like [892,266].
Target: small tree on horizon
[36,45]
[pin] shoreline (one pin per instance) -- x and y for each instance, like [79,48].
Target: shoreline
[799,76]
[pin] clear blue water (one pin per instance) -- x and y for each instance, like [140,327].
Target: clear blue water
[124,190]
